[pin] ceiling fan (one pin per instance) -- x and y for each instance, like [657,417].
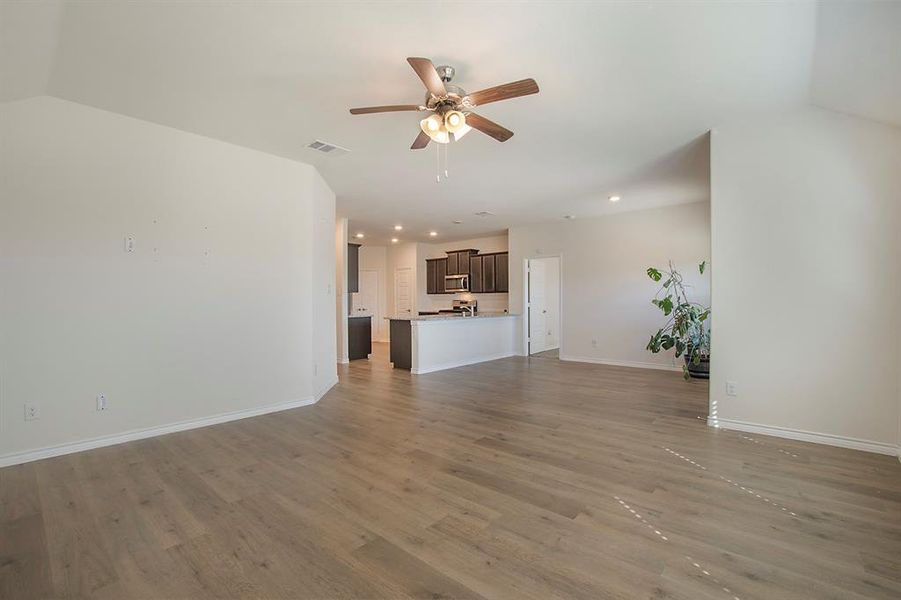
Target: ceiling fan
[451,105]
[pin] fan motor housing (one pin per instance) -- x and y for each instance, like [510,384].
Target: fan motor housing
[445,72]
[455,94]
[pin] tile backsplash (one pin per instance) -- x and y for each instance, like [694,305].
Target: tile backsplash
[487,302]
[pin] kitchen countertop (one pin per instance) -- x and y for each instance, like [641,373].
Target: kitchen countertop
[450,317]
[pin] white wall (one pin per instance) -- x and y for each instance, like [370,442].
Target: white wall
[496,302]
[806,214]
[212,313]
[341,300]
[606,292]
[321,202]
[375,258]
[857,63]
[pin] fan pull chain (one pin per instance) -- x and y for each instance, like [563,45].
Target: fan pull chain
[438,162]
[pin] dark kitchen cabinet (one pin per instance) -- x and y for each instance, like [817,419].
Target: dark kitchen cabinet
[435,270]
[441,272]
[488,273]
[501,272]
[353,268]
[431,276]
[458,261]
[453,263]
[476,285]
[359,337]
[401,348]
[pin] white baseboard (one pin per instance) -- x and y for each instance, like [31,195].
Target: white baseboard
[808,436]
[140,434]
[462,363]
[343,361]
[620,363]
[318,396]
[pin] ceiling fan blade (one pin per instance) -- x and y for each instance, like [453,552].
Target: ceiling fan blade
[426,71]
[501,134]
[422,140]
[380,109]
[506,91]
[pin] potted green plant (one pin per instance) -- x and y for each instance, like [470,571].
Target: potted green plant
[687,329]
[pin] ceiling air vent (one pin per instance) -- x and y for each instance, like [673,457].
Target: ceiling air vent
[484,213]
[326,148]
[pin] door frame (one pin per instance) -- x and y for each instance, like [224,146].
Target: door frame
[526,343]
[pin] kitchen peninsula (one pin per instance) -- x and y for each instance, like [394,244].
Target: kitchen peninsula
[428,343]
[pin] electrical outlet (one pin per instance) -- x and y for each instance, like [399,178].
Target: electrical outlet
[32,411]
[731,388]
[102,403]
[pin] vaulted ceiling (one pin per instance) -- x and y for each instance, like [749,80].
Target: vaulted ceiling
[628,92]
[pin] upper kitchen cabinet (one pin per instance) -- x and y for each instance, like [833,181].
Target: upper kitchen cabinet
[353,268]
[489,284]
[452,263]
[502,272]
[431,275]
[488,273]
[435,270]
[476,282]
[458,261]
[441,265]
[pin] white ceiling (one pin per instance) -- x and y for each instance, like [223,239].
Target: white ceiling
[628,91]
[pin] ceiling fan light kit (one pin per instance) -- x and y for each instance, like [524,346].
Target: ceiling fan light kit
[454,121]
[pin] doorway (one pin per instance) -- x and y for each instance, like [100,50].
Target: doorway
[543,306]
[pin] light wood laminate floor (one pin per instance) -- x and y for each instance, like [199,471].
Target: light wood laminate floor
[519,478]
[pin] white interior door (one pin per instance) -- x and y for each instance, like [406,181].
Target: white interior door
[537,307]
[366,301]
[403,292]
[552,302]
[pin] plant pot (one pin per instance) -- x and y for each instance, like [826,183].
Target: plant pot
[700,370]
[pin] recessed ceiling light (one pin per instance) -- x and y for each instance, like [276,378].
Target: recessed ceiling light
[570,217]
[614,198]
[433,233]
[394,240]
[359,236]
[398,227]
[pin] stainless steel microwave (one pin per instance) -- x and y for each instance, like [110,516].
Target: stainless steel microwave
[456,283]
